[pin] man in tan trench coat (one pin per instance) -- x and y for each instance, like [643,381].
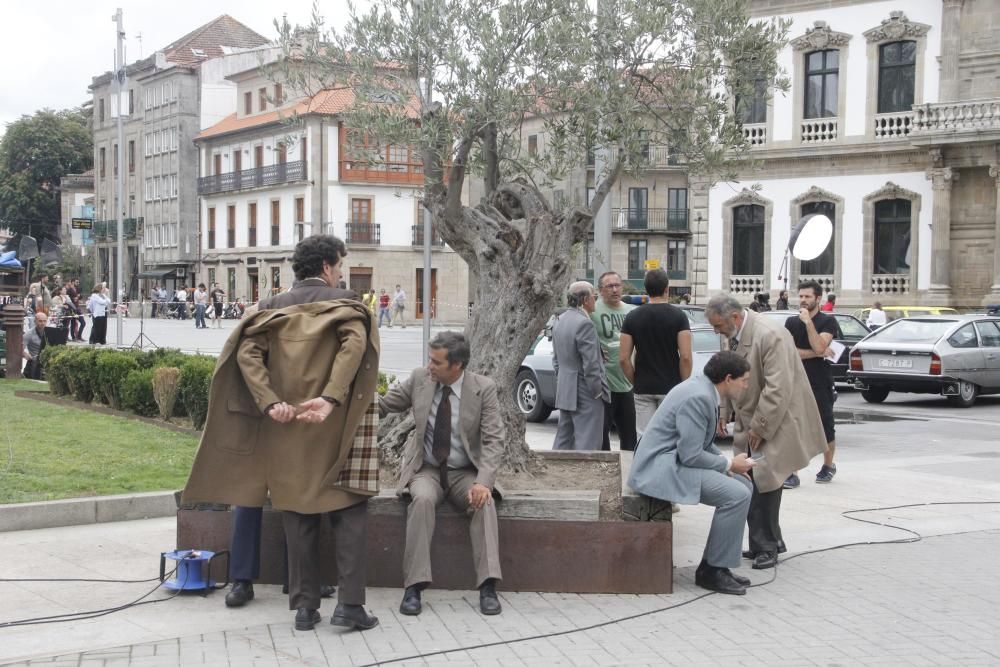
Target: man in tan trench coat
[776,417]
[287,418]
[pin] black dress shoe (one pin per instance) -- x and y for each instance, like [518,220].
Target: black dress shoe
[765,560]
[750,555]
[488,602]
[306,619]
[743,581]
[411,601]
[718,579]
[241,593]
[353,616]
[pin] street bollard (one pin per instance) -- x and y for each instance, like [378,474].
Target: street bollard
[13,324]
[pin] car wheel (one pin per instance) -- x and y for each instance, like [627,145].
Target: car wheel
[875,394]
[529,398]
[967,393]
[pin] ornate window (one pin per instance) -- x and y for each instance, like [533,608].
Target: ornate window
[896,73]
[822,81]
[748,240]
[892,236]
[753,109]
[637,256]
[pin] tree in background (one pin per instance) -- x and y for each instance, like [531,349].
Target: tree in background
[35,152]
[636,74]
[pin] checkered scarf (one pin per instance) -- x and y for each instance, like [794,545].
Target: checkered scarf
[360,473]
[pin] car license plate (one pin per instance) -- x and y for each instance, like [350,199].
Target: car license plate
[895,363]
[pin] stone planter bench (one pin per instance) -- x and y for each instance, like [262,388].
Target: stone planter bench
[551,540]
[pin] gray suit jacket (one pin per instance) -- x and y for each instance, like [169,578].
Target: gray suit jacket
[679,440]
[479,419]
[577,360]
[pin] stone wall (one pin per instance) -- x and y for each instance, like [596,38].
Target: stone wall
[973,222]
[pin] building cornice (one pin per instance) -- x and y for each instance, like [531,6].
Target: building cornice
[896,27]
[820,36]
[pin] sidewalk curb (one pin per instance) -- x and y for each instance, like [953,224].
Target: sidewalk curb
[82,511]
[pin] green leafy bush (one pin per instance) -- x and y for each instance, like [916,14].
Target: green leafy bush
[137,392]
[196,378]
[384,381]
[54,360]
[112,367]
[163,356]
[81,373]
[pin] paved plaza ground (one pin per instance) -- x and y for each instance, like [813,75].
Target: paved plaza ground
[927,602]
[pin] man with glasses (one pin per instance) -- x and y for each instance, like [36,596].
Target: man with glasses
[581,386]
[608,317]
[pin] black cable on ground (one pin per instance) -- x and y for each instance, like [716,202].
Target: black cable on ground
[98,581]
[96,613]
[916,537]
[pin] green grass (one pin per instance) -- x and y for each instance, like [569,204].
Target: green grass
[48,452]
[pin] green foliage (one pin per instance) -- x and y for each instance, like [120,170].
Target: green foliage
[163,356]
[53,360]
[81,373]
[112,368]
[384,381]
[196,378]
[35,152]
[137,392]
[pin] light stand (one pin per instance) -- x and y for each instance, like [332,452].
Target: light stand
[783,271]
[142,337]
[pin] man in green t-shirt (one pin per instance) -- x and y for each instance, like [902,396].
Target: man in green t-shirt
[608,315]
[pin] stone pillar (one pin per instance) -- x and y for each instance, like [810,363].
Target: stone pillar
[698,187]
[994,295]
[13,324]
[951,19]
[941,179]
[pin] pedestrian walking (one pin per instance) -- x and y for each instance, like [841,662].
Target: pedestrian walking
[876,317]
[218,300]
[398,307]
[200,306]
[831,303]
[181,296]
[383,308]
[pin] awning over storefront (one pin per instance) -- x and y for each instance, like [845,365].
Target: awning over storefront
[155,274]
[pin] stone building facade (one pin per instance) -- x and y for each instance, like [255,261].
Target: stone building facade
[280,169]
[161,114]
[892,129]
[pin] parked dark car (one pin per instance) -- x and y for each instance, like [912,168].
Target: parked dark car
[852,330]
[535,385]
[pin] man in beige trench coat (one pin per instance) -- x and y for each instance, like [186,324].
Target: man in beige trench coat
[291,414]
[776,417]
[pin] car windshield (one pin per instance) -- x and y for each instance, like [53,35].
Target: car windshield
[851,328]
[705,340]
[913,331]
[696,315]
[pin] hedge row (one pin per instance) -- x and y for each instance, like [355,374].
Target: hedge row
[123,379]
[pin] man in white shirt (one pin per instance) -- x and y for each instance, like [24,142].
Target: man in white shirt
[876,317]
[181,298]
[200,304]
[398,307]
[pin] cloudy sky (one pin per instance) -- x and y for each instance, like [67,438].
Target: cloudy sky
[50,50]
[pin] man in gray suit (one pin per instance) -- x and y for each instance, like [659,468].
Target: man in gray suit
[454,453]
[581,385]
[677,460]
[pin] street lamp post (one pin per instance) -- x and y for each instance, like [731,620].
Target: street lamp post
[120,80]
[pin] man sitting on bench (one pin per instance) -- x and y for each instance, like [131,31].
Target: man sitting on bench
[453,453]
[677,460]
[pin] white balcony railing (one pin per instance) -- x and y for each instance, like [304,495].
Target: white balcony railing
[819,130]
[893,125]
[756,134]
[972,115]
[891,283]
[746,285]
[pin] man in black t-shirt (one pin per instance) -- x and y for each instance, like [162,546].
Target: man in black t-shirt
[660,334]
[812,332]
[218,298]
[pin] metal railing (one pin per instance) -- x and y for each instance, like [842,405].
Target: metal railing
[650,219]
[417,233]
[272,174]
[363,234]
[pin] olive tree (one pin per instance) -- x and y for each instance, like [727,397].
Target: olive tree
[460,80]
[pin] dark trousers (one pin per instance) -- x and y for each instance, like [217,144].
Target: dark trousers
[350,536]
[99,331]
[244,547]
[81,324]
[762,520]
[620,412]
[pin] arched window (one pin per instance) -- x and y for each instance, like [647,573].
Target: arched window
[748,240]
[822,81]
[825,263]
[892,236]
[897,66]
